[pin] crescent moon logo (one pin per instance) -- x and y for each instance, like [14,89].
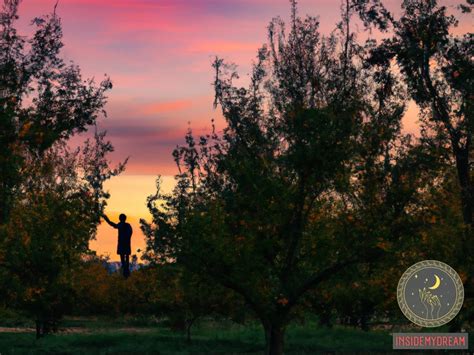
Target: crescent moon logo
[436,284]
[430,306]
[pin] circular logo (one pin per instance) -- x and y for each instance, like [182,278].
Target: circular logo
[430,293]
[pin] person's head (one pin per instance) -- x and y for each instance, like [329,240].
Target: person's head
[122,217]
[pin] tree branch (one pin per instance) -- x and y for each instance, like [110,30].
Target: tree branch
[318,278]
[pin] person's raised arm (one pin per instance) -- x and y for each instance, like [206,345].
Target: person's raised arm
[112,224]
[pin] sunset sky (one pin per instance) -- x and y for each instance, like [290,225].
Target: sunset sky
[158,54]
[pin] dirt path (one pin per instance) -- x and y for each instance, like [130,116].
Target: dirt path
[77,330]
[16,330]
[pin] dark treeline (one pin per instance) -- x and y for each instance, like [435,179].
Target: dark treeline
[311,202]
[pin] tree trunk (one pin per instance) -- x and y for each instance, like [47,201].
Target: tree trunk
[467,203]
[39,329]
[189,324]
[274,338]
[463,169]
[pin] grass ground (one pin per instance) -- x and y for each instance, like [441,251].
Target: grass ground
[107,337]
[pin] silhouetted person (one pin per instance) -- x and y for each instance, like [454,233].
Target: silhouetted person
[124,235]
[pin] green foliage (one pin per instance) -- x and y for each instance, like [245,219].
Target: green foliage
[52,220]
[50,196]
[437,67]
[436,64]
[42,99]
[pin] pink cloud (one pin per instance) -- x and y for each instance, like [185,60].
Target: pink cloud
[223,46]
[178,105]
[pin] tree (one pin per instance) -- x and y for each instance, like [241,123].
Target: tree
[437,67]
[49,195]
[184,296]
[273,207]
[53,218]
[42,99]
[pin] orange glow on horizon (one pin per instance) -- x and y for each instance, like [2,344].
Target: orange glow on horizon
[128,196]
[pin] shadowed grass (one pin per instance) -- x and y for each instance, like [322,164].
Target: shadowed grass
[209,337]
[157,342]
